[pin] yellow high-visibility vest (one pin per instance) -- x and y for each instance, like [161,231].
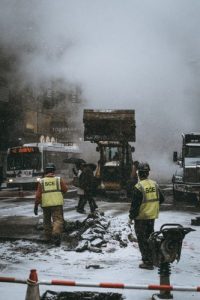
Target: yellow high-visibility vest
[149,208]
[51,192]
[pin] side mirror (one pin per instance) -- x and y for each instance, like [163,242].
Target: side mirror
[132,149]
[175,156]
[97,149]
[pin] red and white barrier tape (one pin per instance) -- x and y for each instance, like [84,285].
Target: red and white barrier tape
[12,280]
[106,285]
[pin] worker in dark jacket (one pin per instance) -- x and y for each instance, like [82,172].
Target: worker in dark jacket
[86,183]
[49,195]
[146,200]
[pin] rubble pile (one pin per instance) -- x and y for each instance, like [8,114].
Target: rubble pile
[97,234]
[51,295]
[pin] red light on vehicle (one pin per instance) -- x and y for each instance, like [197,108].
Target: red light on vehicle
[24,150]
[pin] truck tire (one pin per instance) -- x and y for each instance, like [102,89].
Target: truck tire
[177,195]
[192,198]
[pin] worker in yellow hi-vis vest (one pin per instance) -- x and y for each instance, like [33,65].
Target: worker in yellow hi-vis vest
[146,200]
[49,195]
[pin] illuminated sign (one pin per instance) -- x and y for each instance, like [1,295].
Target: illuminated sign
[24,150]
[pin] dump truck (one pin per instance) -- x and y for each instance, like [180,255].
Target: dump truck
[112,131]
[186,179]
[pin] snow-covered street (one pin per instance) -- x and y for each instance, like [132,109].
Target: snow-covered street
[114,264]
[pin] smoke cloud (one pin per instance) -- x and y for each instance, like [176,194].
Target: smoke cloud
[142,55]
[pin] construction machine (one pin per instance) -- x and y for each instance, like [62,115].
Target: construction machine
[112,131]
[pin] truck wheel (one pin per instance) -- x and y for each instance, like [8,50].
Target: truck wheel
[178,196]
[192,198]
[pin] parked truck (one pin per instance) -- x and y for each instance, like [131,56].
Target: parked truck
[186,180]
[112,131]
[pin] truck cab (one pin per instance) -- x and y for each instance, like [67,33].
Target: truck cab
[186,180]
[115,165]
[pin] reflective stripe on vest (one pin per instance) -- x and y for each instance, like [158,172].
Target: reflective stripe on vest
[149,208]
[51,192]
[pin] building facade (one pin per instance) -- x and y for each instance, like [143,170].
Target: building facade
[51,112]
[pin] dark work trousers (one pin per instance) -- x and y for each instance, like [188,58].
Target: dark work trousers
[81,202]
[143,230]
[88,197]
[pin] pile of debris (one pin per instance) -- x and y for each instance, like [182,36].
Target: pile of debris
[96,233]
[51,295]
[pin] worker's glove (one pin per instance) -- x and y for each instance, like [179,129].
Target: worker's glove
[36,210]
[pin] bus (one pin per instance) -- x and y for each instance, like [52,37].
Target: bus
[26,164]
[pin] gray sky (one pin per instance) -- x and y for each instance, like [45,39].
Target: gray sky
[127,54]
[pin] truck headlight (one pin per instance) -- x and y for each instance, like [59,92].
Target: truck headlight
[10,180]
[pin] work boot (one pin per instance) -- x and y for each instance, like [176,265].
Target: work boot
[146,265]
[56,240]
[48,238]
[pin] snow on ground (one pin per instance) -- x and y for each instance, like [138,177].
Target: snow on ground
[116,264]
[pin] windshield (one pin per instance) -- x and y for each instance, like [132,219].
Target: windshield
[192,151]
[112,153]
[24,161]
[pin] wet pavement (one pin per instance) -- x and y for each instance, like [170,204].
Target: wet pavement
[17,220]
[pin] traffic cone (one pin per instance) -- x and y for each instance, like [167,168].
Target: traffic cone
[33,292]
